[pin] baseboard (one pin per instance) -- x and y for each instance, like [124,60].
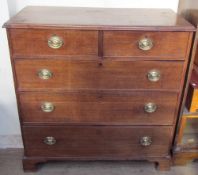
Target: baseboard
[11,141]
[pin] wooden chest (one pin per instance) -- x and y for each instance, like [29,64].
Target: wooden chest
[98,84]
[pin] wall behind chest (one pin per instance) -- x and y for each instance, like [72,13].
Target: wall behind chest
[9,123]
[16,5]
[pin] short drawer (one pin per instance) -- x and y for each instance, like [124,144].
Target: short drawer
[35,42]
[134,108]
[150,45]
[97,142]
[48,74]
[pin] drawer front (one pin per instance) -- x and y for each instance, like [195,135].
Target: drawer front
[27,42]
[68,74]
[97,142]
[154,45]
[135,108]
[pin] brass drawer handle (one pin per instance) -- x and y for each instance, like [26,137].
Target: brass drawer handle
[146,141]
[47,107]
[150,107]
[55,42]
[154,75]
[45,74]
[49,140]
[145,44]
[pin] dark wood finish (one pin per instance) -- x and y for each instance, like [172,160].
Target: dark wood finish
[30,165]
[96,141]
[167,45]
[100,43]
[99,19]
[164,164]
[98,83]
[96,74]
[27,42]
[192,97]
[100,107]
[196,57]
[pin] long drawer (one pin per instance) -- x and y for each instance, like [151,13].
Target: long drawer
[126,108]
[97,142]
[150,45]
[43,74]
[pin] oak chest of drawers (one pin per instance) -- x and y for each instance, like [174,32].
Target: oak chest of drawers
[98,84]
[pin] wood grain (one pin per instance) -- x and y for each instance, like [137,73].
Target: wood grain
[98,74]
[27,42]
[192,96]
[167,45]
[99,19]
[121,108]
[92,141]
[99,83]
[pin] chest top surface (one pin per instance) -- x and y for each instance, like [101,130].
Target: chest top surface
[99,19]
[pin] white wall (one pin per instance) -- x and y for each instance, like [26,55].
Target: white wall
[9,123]
[16,5]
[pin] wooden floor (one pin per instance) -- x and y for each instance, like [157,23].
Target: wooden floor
[10,164]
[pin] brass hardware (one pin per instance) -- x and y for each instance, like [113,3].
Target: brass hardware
[55,42]
[49,140]
[146,141]
[145,44]
[45,74]
[150,107]
[47,107]
[154,75]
